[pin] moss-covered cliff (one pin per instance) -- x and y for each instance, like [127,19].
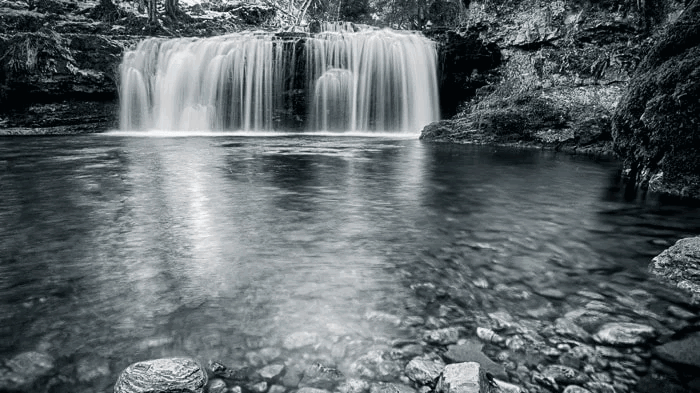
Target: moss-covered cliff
[657,123]
[565,66]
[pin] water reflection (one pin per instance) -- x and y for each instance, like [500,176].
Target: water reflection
[132,248]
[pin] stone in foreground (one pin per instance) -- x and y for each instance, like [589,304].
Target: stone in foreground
[466,377]
[170,375]
[680,265]
[624,334]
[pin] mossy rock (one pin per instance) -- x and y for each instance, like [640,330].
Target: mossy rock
[656,125]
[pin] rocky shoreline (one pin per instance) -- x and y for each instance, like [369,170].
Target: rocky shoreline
[597,340]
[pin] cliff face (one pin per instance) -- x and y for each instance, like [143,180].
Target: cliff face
[59,61]
[565,65]
[657,123]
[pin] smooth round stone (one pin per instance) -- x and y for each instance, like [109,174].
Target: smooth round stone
[217,386]
[624,333]
[575,389]
[170,375]
[271,371]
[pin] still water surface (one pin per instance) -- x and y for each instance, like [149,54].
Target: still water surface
[129,248]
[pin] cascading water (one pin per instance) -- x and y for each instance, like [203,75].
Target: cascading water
[372,80]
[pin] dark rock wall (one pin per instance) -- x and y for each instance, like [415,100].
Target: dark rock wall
[657,123]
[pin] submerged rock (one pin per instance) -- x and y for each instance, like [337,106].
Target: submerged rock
[470,351]
[442,336]
[169,375]
[463,378]
[271,371]
[680,265]
[624,333]
[322,377]
[564,375]
[685,351]
[25,369]
[377,365]
[217,386]
[300,339]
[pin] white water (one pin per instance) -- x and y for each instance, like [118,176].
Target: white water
[368,81]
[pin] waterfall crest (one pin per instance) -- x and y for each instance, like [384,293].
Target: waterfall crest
[372,80]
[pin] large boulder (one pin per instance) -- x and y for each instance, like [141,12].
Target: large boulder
[680,265]
[169,375]
[655,127]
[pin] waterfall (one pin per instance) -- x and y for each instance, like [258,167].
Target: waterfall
[370,80]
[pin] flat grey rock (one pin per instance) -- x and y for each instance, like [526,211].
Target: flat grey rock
[463,378]
[624,334]
[685,351]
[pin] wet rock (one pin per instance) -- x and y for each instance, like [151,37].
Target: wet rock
[463,378]
[424,370]
[312,390]
[322,377]
[353,385]
[471,351]
[680,265]
[377,316]
[624,334]
[587,319]
[169,375]
[680,313]
[505,387]
[217,386]
[551,293]
[685,351]
[564,375]
[25,369]
[260,387]
[91,368]
[391,388]
[442,336]
[263,356]
[575,389]
[489,336]
[277,389]
[601,387]
[292,377]
[515,343]
[300,339]
[568,328]
[271,371]
[377,365]
[591,295]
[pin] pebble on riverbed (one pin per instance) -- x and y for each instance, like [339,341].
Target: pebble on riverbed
[23,370]
[463,378]
[624,334]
